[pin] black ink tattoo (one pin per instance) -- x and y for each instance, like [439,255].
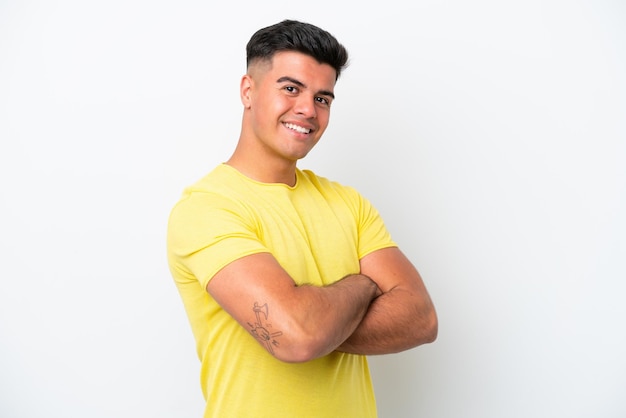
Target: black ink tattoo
[260,328]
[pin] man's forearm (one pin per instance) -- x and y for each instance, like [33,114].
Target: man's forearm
[394,322]
[307,321]
[330,315]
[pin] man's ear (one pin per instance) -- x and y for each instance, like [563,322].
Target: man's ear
[245,90]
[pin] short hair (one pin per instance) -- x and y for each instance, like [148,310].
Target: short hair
[291,35]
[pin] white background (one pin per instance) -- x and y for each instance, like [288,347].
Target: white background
[491,135]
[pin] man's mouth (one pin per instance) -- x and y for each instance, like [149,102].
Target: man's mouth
[298,128]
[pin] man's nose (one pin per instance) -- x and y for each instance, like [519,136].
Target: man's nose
[305,106]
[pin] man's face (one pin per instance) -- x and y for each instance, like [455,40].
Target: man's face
[288,101]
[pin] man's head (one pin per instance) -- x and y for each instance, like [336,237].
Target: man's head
[291,35]
[287,94]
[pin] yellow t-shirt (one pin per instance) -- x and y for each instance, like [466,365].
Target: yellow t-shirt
[318,231]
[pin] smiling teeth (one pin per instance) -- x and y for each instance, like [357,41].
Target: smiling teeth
[297,128]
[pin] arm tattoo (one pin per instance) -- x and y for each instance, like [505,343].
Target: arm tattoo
[260,329]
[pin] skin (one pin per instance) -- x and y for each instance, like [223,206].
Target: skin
[293,89]
[384,309]
[403,317]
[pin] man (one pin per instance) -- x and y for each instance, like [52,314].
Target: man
[290,280]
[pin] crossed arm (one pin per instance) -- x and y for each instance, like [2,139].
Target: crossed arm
[384,309]
[401,318]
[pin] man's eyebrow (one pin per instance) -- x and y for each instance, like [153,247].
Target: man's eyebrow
[301,84]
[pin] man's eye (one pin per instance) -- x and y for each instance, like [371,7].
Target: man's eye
[323,100]
[291,89]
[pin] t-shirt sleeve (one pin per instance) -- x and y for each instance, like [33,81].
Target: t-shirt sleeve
[373,234]
[207,231]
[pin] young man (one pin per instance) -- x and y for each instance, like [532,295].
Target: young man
[290,280]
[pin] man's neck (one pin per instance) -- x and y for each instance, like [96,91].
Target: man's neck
[265,171]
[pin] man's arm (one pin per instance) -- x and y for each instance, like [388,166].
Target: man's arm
[306,321]
[401,318]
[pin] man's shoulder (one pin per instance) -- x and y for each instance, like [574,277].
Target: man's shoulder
[326,184]
[215,188]
[215,178]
